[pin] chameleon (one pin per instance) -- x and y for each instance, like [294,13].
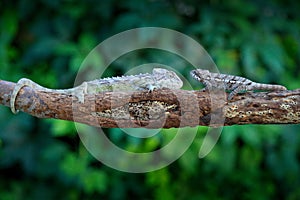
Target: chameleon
[235,84]
[159,78]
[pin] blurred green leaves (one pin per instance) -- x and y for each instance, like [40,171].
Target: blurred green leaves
[9,27]
[78,171]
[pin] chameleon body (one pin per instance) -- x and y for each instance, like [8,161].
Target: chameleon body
[159,78]
[235,84]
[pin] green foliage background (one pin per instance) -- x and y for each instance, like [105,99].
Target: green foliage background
[46,41]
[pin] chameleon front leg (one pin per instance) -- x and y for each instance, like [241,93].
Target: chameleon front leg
[211,85]
[19,85]
[150,87]
[207,86]
[236,91]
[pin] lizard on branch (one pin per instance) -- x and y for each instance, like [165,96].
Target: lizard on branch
[234,84]
[160,78]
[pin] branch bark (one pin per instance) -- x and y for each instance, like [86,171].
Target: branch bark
[160,108]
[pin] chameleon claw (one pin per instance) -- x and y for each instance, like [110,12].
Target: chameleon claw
[151,87]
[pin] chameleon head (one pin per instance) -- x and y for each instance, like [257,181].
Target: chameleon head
[200,74]
[166,78]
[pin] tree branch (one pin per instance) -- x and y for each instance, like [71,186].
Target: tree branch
[160,108]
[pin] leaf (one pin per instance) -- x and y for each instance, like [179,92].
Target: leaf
[94,181]
[62,128]
[72,165]
[272,54]
[40,50]
[250,60]
[8,26]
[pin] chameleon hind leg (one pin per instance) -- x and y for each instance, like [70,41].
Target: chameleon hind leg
[19,85]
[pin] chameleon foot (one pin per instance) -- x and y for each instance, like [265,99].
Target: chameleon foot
[151,87]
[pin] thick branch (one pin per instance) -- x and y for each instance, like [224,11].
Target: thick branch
[160,108]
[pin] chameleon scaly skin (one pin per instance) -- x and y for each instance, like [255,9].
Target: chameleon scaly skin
[235,84]
[158,79]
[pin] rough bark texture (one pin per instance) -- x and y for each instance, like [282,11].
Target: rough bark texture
[160,108]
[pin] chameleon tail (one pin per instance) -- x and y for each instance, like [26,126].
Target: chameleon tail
[262,86]
[19,85]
